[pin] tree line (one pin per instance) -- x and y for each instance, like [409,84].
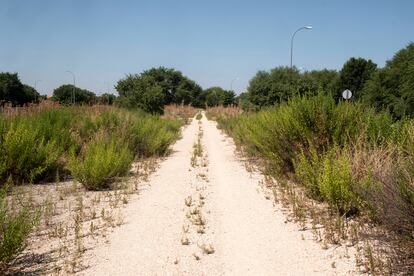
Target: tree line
[150,91]
[390,87]
[14,92]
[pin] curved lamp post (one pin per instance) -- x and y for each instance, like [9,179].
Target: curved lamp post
[231,84]
[74,85]
[291,42]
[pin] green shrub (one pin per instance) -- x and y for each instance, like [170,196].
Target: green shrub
[152,135]
[335,182]
[101,160]
[15,227]
[199,116]
[32,146]
[307,172]
[26,153]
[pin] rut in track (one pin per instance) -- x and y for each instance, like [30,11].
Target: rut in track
[202,214]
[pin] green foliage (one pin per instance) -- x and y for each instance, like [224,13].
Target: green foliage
[313,82]
[280,132]
[307,172]
[335,183]
[15,227]
[106,98]
[32,147]
[26,154]
[100,161]
[216,96]
[64,95]
[392,87]
[308,138]
[138,92]
[353,76]
[30,94]
[154,88]
[152,135]
[282,83]
[268,88]
[13,91]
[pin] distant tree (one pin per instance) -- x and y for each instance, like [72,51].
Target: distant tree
[187,92]
[176,87]
[393,86]
[30,94]
[268,88]
[243,101]
[215,96]
[106,98]
[11,89]
[158,86]
[318,81]
[64,95]
[353,76]
[140,92]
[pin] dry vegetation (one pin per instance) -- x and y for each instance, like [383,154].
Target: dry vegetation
[181,112]
[343,172]
[65,173]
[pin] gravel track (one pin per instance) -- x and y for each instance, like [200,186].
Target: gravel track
[247,233]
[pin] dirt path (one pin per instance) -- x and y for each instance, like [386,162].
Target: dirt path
[204,215]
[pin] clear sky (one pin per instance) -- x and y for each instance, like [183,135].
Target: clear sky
[210,41]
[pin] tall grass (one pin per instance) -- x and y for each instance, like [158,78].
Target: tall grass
[350,156]
[34,146]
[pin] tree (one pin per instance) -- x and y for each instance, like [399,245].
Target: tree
[64,95]
[215,96]
[107,99]
[353,76]
[243,101]
[176,87]
[137,91]
[30,94]
[11,89]
[158,86]
[393,86]
[268,88]
[317,81]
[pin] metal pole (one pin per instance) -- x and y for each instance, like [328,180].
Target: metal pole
[231,84]
[291,42]
[74,85]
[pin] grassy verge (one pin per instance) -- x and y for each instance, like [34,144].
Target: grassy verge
[94,145]
[356,160]
[34,147]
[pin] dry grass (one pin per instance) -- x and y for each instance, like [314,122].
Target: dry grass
[74,220]
[29,108]
[183,112]
[231,111]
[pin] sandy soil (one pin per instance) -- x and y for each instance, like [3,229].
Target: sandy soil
[206,215]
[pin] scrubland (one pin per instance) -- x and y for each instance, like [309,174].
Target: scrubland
[67,169]
[339,165]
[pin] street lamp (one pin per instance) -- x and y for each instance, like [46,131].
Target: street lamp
[291,42]
[74,85]
[231,84]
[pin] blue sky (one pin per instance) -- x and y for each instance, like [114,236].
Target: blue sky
[212,42]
